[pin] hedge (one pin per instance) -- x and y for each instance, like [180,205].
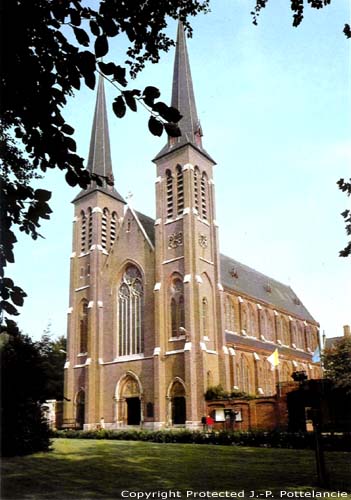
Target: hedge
[273,439]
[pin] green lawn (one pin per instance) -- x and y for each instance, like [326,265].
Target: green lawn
[89,469]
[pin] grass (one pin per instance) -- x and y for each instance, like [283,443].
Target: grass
[91,469]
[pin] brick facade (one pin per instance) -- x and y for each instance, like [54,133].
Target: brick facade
[202,320]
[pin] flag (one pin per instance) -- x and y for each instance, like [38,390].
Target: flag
[273,359]
[316,357]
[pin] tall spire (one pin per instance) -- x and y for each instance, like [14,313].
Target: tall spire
[183,98]
[99,159]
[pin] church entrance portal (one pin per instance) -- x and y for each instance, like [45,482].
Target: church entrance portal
[129,401]
[133,411]
[178,410]
[178,403]
[80,409]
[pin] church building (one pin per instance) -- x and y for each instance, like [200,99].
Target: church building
[156,314]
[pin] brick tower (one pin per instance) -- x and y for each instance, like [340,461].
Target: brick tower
[190,351]
[98,212]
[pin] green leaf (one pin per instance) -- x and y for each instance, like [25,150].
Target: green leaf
[42,195]
[71,178]
[95,28]
[172,130]
[130,99]
[119,107]
[150,94]
[169,113]
[155,126]
[9,308]
[75,17]
[67,129]
[107,68]
[81,36]
[101,46]
[120,75]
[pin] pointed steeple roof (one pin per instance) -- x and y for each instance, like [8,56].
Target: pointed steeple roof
[99,160]
[183,98]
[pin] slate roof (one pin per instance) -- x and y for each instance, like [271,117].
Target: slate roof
[248,281]
[243,279]
[148,224]
[99,159]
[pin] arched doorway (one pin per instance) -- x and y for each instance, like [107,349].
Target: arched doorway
[177,403]
[80,409]
[129,398]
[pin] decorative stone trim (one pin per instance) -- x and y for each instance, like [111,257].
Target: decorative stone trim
[203,240]
[172,260]
[275,313]
[203,346]
[259,307]
[157,287]
[66,365]
[75,219]
[88,362]
[220,287]
[225,349]
[231,351]
[186,210]
[81,288]
[198,279]
[157,351]
[188,166]
[69,310]
[243,332]
[187,346]
[260,391]
[157,222]
[240,299]
[256,356]
[187,278]
[91,304]
[97,210]
[176,351]
[175,240]
[158,179]
[100,303]
[73,254]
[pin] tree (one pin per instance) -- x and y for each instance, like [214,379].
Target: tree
[337,364]
[297,9]
[24,430]
[56,48]
[53,355]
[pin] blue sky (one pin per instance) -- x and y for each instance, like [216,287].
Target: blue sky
[274,105]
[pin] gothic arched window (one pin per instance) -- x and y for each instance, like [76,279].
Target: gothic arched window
[177,306]
[169,194]
[204,196]
[83,232]
[285,331]
[130,313]
[244,375]
[90,230]
[104,222]
[180,190]
[229,315]
[83,326]
[113,223]
[204,317]
[196,187]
